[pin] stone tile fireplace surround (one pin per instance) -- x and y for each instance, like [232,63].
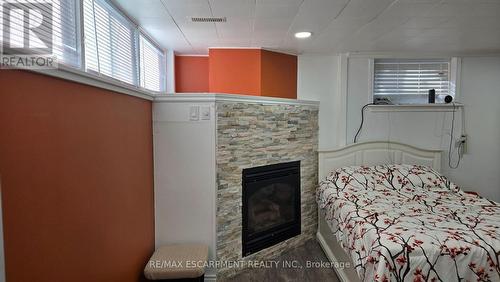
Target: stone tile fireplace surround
[247,132]
[250,135]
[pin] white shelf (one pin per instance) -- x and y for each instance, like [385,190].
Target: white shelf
[415,108]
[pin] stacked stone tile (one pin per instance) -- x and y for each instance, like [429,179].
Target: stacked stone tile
[256,134]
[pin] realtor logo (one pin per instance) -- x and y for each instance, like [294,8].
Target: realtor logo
[27,35]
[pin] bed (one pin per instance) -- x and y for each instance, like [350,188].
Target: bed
[385,209]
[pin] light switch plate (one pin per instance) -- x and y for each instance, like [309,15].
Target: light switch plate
[205,112]
[194,113]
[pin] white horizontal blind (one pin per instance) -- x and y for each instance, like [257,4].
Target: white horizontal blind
[396,77]
[152,66]
[56,23]
[110,42]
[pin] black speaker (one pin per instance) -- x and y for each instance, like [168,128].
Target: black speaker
[448,99]
[432,96]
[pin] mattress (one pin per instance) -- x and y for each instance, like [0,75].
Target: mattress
[410,223]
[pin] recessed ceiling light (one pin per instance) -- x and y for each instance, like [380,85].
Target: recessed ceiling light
[303,34]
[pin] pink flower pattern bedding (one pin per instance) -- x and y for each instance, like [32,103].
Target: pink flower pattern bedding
[409,223]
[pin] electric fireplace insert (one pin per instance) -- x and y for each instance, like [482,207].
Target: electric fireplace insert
[271,205]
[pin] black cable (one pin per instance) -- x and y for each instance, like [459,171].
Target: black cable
[451,142]
[362,120]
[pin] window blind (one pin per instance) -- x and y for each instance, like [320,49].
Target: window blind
[407,78]
[55,23]
[152,65]
[110,42]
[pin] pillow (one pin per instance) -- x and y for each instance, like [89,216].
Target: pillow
[392,176]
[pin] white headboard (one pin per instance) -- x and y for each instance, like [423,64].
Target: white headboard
[376,153]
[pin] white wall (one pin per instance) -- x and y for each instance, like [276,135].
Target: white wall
[317,80]
[184,176]
[480,168]
[320,78]
[480,93]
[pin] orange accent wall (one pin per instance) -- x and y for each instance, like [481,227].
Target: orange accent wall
[235,71]
[191,74]
[76,169]
[253,72]
[279,75]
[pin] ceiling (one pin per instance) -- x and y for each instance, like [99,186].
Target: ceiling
[464,26]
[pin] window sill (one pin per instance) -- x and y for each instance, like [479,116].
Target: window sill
[78,76]
[415,108]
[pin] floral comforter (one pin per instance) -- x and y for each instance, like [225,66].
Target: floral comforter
[409,223]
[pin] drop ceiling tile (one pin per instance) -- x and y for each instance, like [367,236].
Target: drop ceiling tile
[472,22]
[380,26]
[424,22]
[407,9]
[445,10]
[315,15]
[238,9]
[487,9]
[138,9]
[235,28]
[188,8]
[277,9]
[364,25]
[364,9]
[234,42]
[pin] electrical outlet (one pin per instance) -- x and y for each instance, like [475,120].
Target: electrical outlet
[462,144]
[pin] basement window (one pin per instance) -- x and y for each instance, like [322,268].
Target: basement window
[152,68]
[408,81]
[61,32]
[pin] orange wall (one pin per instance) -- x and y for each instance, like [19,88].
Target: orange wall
[77,181]
[279,75]
[253,72]
[235,71]
[191,74]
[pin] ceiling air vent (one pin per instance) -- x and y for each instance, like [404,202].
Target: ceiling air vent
[208,19]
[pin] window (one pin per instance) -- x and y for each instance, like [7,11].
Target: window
[113,45]
[409,81]
[110,46]
[151,66]
[64,37]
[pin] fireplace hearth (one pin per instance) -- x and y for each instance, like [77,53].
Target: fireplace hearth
[271,205]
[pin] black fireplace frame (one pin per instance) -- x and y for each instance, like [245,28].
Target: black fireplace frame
[252,243]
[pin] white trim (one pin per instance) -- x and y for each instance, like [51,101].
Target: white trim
[190,55]
[455,77]
[76,75]
[170,71]
[80,34]
[415,108]
[371,78]
[216,97]
[342,78]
